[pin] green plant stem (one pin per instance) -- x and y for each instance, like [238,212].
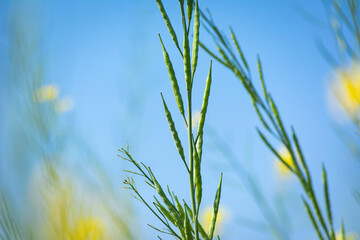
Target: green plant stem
[191,166]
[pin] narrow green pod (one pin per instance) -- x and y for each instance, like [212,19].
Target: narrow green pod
[260,115]
[173,130]
[167,202]
[189,10]
[213,55]
[327,202]
[187,66]
[199,144]
[312,218]
[267,143]
[167,22]
[301,157]
[262,79]
[165,212]
[174,82]
[195,50]
[179,207]
[215,210]
[342,230]
[204,108]
[239,50]
[198,181]
[188,228]
[201,229]
[278,120]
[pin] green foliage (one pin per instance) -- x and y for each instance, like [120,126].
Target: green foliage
[180,222]
[270,118]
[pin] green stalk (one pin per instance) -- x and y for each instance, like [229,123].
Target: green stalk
[191,166]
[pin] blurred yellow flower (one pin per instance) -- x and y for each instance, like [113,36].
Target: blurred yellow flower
[347,88]
[195,119]
[89,228]
[68,210]
[47,93]
[205,219]
[280,167]
[349,236]
[63,105]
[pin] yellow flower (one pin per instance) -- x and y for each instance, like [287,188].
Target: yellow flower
[90,229]
[66,213]
[195,119]
[47,93]
[349,236]
[347,88]
[205,219]
[281,168]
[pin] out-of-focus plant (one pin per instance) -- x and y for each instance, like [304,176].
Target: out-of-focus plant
[344,85]
[270,118]
[63,204]
[277,224]
[169,210]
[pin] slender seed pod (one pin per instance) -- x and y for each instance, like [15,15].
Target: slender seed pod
[195,50]
[278,120]
[189,10]
[312,218]
[179,207]
[188,228]
[260,115]
[215,210]
[262,79]
[342,232]
[167,22]
[198,181]
[174,82]
[205,103]
[327,201]
[187,66]
[239,50]
[166,212]
[199,144]
[167,202]
[173,131]
[267,143]
[201,229]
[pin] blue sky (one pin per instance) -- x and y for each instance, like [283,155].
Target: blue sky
[107,57]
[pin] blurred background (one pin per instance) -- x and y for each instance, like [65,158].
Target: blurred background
[79,80]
